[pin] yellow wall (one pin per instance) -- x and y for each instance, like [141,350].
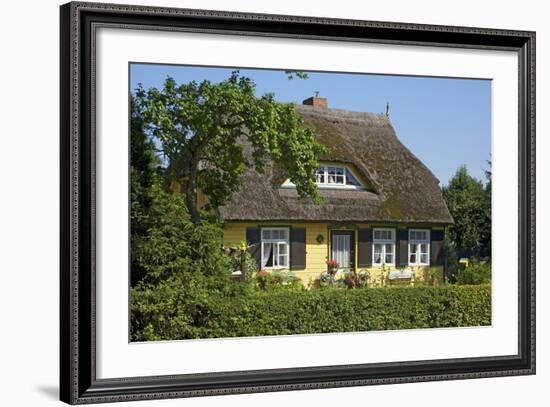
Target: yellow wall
[317,253]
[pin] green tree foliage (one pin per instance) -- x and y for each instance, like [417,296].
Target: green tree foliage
[299,74]
[201,129]
[178,268]
[466,198]
[485,238]
[164,241]
[144,174]
[186,272]
[451,259]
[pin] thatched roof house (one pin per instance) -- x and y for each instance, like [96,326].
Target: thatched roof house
[381,205]
[400,188]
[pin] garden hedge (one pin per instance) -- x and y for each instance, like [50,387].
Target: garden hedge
[282,312]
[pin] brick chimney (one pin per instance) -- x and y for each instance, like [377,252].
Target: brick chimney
[316,101]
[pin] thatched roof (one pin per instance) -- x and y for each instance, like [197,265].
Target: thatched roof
[401,188]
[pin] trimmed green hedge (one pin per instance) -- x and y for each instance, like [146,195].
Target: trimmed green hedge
[257,313]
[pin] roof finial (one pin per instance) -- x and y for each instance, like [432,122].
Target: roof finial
[316,93]
[388,110]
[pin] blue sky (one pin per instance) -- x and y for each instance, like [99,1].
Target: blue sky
[444,122]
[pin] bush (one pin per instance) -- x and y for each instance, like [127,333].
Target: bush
[477,273]
[183,272]
[251,312]
[277,279]
[241,260]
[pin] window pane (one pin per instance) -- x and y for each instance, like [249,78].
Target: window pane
[275,254]
[267,259]
[350,179]
[424,248]
[418,235]
[320,175]
[266,234]
[335,175]
[412,258]
[384,235]
[377,254]
[424,258]
[389,248]
[283,248]
[389,258]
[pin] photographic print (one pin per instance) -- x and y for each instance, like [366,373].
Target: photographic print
[284,202]
[256,202]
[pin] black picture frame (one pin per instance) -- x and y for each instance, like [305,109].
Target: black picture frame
[78,382]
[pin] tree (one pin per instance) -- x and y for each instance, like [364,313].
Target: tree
[466,199]
[202,127]
[144,174]
[486,227]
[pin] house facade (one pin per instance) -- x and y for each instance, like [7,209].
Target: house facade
[382,209]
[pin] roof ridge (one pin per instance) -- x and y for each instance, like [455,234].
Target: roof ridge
[343,114]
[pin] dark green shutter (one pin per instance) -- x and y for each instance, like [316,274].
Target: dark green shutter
[253,237]
[297,248]
[402,247]
[436,247]
[364,247]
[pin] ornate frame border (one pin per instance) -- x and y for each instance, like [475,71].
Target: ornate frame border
[78,382]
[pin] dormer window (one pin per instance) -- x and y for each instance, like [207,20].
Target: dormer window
[333,176]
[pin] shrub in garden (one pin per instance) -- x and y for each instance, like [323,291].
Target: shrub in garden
[241,260]
[277,279]
[477,273]
[184,272]
[283,312]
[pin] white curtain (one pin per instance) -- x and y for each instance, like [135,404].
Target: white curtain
[268,247]
[341,250]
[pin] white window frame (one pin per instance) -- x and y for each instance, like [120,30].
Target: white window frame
[383,242]
[418,242]
[326,185]
[285,242]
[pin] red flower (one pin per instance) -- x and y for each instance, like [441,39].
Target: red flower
[332,262]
